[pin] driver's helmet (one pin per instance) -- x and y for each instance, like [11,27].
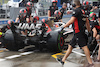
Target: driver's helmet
[85,4]
[92,17]
[57,13]
[43,20]
[29,4]
[10,21]
[36,18]
[23,12]
[54,1]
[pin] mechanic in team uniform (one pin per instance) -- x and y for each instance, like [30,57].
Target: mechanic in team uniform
[62,10]
[78,20]
[88,8]
[3,29]
[94,23]
[6,27]
[98,58]
[52,9]
[58,14]
[29,6]
[96,32]
[23,18]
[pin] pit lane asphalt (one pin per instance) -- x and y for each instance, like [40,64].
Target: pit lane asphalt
[42,59]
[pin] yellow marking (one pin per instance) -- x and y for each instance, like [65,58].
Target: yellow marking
[6,49]
[55,55]
[58,54]
[64,51]
[1,50]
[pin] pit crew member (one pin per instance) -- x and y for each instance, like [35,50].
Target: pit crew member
[22,18]
[52,9]
[78,21]
[29,6]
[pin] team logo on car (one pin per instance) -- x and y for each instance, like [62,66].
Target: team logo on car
[26,26]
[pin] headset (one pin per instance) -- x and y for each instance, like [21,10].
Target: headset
[74,5]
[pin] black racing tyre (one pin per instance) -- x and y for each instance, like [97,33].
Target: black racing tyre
[56,41]
[11,44]
[91,46]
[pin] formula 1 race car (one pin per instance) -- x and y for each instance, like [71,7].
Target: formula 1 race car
[41,35]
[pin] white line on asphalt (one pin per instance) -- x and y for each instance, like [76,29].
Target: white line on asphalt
[26,53]
[2,60]
[13,56]
[16,56]
[78,53]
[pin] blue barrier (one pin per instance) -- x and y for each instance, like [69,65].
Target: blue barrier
[5,21]
[65,16]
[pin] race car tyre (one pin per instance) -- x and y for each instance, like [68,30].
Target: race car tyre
[12,44]
[90,45]
[56,41]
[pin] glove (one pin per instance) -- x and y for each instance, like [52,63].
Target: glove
[2,33]
[94,39]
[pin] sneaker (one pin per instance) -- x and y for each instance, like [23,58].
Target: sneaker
[60,61]
[90,65]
